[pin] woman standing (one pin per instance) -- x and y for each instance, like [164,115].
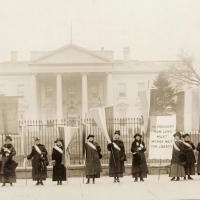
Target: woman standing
[198,160]
[178,158]
[8,165]
[39,162]
[117,157]
[58,159]
[93,156]
[139,164]
[190,157]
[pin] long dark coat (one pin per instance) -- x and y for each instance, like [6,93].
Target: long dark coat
[117,159]
[8,165]
[39,163]
[178,160]
[190,159]
[59,169]
[198,160]
[92,162]
[139,164]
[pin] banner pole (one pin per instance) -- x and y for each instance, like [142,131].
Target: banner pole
[159,169]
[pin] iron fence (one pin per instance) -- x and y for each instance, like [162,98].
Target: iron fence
[48,131]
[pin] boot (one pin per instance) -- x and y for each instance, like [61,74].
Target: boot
[38,183]
[141,179]
[184,178]
[58,183]
[178,179]
[189,177]
[93,181]
[88,181]
[41,183]
[118,179]
[11,184]
[173,178]
[115,179]
[136,179]
[4,184]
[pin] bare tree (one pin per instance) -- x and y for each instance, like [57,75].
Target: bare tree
[185,71]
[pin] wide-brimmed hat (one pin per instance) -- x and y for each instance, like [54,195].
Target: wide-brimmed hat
[137,134]
[8,138]
[177,134]
[117,132]
[89,136]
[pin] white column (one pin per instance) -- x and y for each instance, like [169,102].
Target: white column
[59,97]
[109,90]
[34,98]
[84,95]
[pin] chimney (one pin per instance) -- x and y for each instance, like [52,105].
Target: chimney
[13,56]
[126,52]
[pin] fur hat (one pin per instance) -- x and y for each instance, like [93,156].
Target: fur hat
[117,132]
[137,134]
[185,135]
[177,134]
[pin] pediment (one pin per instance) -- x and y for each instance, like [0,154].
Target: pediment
[70,54]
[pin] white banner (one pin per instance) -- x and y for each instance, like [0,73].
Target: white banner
[162,129]
[98,114]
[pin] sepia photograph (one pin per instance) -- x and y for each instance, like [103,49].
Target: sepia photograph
[100,99]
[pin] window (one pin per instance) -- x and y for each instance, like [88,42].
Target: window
[122,90]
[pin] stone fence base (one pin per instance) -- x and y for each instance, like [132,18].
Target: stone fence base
[78,171]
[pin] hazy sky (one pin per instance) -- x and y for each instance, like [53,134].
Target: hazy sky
[153,29]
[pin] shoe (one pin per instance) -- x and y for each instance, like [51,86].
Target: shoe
[184,178]
[41,183]
[60,182]
[190,178]
[11,184]
[177,179]
[136,180]
[172,179]
[88,181]
[93,181]
[4,184]
[115,180]
[118,180]
[38,183]
[141,179]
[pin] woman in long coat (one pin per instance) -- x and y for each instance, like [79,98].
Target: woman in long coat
[8,165]
[178,158]
[39,162]
[139,164]
[117,157]
[190,157]
[93,156]
[198,159]
[58,159]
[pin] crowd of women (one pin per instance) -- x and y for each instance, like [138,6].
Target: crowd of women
[182,163]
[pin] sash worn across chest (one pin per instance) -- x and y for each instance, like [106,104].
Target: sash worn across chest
[37,149]
[58,149]
[187,144]
[176,147]
[92,146]
[116,146]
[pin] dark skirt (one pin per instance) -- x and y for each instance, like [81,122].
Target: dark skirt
[177,170]
[139,166]
[39,170]
[8,174]
[59,173]
[189,169]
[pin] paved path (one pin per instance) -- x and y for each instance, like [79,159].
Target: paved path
[151,189]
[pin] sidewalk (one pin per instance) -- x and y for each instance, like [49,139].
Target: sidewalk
[151,189]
